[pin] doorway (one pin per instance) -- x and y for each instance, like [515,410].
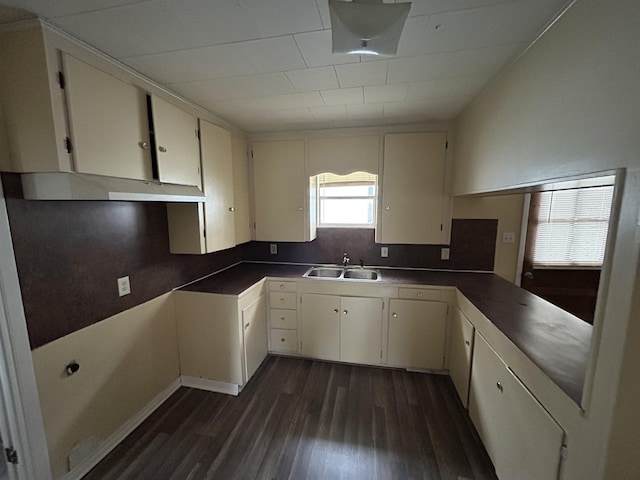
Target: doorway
[565,244]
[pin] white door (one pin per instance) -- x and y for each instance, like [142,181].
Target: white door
[361,330]
[417,331]
[321,326]
[460,355]
[241,202]
[254,324]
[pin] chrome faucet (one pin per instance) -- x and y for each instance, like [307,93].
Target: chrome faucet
[345,260]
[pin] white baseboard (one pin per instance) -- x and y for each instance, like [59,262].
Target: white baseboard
[116,437]
[210,385]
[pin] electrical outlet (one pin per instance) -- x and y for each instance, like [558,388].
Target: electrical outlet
[124,288]
[384,252]
[273,248]
[444,253]
[509,237]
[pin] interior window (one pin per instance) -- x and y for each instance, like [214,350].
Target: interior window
[347,200]
[572,227]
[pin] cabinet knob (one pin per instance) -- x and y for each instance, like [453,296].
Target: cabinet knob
[394,315]
[162,149]
[232,209]
[143,145]
[420,294]
[282,286]
[345,312]
[282,318]
[467,343]
[281,300]
[335,310]
[387,208]
[300,209]
[247,325]
[282,340]
[499,387]
[72,367]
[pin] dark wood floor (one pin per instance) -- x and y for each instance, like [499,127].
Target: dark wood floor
[303,419]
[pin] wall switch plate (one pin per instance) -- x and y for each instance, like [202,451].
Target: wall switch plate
[509,237]
[124,288]
[444,253]
[384,252]
[273,248]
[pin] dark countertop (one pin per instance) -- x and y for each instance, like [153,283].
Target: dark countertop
[557,342]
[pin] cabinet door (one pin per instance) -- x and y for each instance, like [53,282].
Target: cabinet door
[280,186]
[108,123]
[361,330]
[217,177]
[241,190]
[413,188]
[321,326]
[522,439]
[177,148]
[254,324]
[417,334]
[460,357]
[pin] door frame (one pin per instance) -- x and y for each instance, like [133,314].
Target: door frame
[19,391]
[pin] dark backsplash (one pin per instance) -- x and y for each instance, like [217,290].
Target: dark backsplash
[70,253]
[473,245]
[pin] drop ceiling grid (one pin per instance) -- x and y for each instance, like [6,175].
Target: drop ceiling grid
[263,64]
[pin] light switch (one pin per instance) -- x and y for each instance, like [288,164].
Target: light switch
[384,252]
[508,237]
[124,288]
[444,253]
[273,248]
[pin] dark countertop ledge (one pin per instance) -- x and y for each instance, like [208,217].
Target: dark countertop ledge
[556,341]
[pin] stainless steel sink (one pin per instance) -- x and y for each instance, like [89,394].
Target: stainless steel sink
[324,272]
[361,274]
[340,273]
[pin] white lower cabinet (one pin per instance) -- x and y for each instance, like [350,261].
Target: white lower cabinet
[417,332]
[522,439]
[460,354]
[222,338]
[283,317]
[347,329]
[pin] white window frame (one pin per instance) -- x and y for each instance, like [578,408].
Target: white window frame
[373,197]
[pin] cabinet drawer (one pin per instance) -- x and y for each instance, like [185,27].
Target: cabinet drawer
[284,340]
[419,293]
[287,319]
[282,286]
[282,300]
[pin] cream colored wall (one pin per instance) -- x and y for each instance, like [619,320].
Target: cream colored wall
[569,107]
[508,210]
[125,362]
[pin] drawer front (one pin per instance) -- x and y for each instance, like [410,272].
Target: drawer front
[419,294]
[282,300]
[287,319]
[282,286]
[284,340]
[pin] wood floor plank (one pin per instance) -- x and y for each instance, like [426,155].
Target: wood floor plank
[303,419]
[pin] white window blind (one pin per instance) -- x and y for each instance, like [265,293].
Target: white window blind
[572,227]
[347,200]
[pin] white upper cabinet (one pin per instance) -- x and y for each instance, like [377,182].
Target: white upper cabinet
[413,193]
[217,178]
[176,140]
[281,188]
[108,123]
[241,190]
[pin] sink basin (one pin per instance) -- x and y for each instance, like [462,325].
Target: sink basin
[361,274]
[324,272]
[340,273]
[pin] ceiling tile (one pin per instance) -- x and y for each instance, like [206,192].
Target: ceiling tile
[323,8]
[280,17]
[343,96]
[415,68]
[385,93]
[272,54]
[465,88]
[49,9]
[367,73]
[478,61]
[318,78]
[290,101]
[235,87]
[193,65]
[332,114]
[316,50]
[429,7]
[357,112]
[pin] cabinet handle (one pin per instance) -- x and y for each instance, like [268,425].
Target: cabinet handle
[335,310]
[162,149]
[394,315]
[247,325]
[144,145]
[345,311]
[232,209]
[420,294]
[300,209]
[500,387]
[387,208]
[467,343]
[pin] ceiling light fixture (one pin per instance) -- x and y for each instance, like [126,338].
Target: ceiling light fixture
[367,27]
